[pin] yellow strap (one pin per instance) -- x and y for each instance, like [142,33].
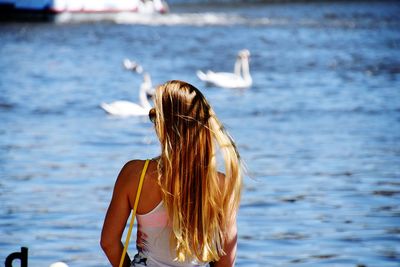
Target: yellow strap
[139,190]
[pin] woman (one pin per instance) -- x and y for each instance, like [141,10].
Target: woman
[187,210]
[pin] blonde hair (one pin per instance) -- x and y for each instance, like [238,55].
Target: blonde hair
[200,204]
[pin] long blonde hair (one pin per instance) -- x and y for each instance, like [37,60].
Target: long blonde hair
[200,203]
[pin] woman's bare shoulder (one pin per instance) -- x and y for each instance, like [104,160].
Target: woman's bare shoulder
[128,174]
[133,165]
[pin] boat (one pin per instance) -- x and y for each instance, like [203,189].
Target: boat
[49,9]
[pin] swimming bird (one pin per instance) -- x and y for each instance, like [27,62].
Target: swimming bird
[240,78]
[124,108]
[135,67]
[132,65]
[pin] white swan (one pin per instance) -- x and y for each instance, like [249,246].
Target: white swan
[241,77]
[133,66]
[125,108]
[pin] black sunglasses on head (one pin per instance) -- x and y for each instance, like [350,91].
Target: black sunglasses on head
[152,115]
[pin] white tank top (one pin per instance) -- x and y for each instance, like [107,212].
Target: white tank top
[154,240]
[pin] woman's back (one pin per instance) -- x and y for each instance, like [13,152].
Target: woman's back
[197,215]
[151,192]
[154,229]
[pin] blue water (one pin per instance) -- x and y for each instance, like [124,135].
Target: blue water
[319,130]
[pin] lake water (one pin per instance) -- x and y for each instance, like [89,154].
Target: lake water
[319,130]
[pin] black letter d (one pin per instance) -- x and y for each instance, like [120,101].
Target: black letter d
[23,256]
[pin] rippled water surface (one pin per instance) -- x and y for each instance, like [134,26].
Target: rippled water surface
[319,129]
